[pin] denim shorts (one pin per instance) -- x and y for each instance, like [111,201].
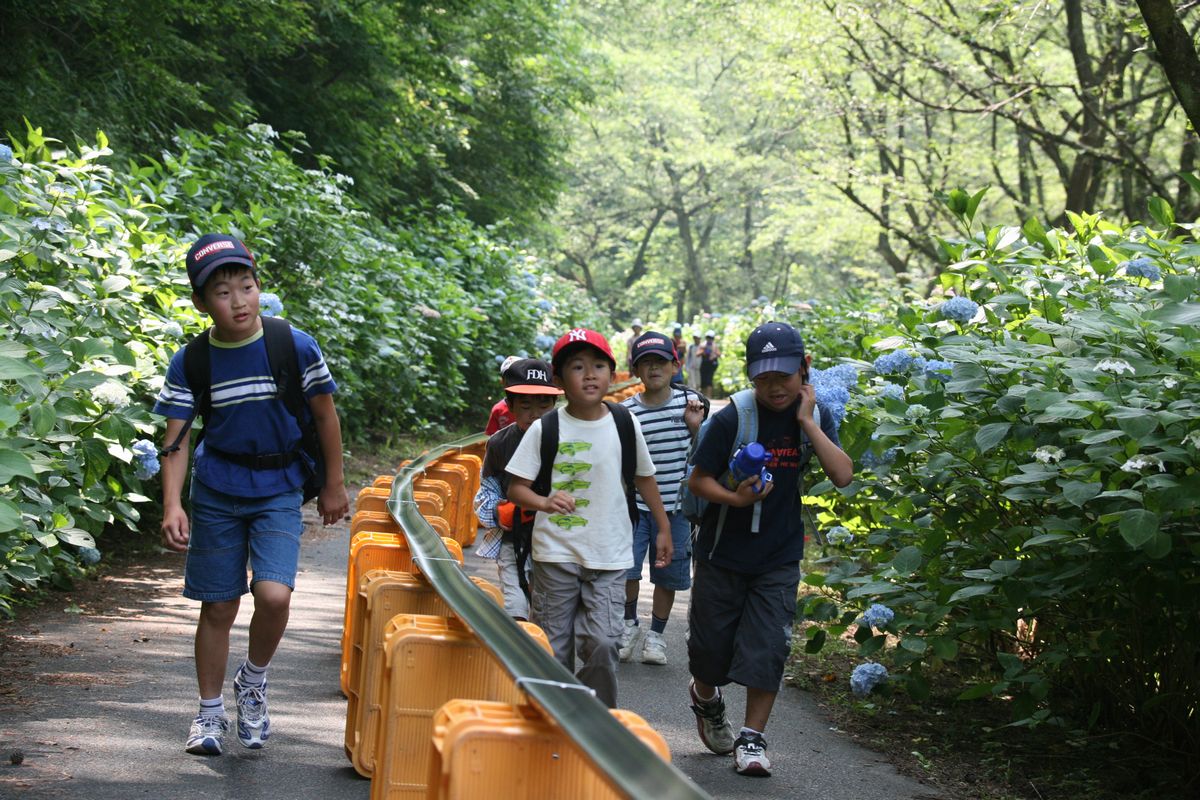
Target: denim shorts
[227,532]
[677,575]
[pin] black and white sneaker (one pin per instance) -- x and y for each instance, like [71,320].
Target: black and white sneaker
[750,755]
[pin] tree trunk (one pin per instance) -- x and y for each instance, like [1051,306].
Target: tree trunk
[1177,54]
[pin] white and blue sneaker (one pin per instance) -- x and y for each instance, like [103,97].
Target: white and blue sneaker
[207,736]
[253,722]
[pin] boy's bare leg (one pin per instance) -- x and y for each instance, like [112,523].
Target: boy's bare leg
[632,588]
[212,645]
[758,708]
[664,599]
[272,606]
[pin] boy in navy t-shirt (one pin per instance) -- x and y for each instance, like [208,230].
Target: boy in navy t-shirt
[241,513]
[744,587]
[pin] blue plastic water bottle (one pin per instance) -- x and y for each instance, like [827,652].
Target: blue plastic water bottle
[749,460]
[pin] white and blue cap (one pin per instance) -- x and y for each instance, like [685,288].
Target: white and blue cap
[774,347]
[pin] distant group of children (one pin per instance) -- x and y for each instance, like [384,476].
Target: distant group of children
[573,500]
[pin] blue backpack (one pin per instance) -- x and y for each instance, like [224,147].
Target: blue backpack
[694,506]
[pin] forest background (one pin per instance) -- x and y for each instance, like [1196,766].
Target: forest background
[980,214]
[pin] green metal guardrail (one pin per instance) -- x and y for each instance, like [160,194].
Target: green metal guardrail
[631,766]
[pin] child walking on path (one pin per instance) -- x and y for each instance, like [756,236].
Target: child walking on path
[668,420]
[747,563]
[246,488]
[583,532]
[530,393]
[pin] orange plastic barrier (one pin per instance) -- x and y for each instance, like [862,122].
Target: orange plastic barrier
[474,465]
[429,660]
[484,749]
[459,512]
[373,550]
[372,499]
[373,521]
[383,594]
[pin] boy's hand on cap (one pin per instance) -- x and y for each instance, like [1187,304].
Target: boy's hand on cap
[559,503]
[748,491]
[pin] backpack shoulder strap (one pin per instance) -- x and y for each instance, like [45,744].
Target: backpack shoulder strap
[747,411]
[285,365]
[197,370]
[623,419]
[549,449]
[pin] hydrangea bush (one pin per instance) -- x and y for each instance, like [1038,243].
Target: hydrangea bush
[1026,499]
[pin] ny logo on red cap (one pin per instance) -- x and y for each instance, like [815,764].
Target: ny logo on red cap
[577,335]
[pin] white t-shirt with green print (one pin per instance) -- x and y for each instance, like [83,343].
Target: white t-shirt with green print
[599,534]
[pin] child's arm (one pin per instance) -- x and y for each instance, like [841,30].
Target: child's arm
[332,502]
[834,461]
[705,484]
[664,546]
[175,527]
[520,491]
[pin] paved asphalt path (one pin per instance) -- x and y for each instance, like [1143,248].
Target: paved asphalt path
[98,700]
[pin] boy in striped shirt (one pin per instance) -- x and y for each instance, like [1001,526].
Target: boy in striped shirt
[247,486]
[669,418]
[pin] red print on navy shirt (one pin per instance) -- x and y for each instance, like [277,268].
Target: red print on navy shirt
[784,453]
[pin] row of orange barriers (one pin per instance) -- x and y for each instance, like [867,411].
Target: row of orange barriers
[431,712]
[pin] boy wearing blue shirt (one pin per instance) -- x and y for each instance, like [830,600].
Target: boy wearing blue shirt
[747,574]
[246,487]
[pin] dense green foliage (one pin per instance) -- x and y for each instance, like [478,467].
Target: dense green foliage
[411,320]
[419,103]
[1028,510]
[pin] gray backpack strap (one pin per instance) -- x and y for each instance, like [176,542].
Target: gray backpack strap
[747,431]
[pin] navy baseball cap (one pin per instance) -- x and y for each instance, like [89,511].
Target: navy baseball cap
[214,250]
[774,347]
[652,343]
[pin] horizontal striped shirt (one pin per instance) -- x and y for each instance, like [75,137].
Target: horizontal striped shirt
[247,416]
[668,438]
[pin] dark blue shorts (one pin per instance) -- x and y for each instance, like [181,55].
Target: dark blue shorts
[229,532]
[677,575]
[740,625]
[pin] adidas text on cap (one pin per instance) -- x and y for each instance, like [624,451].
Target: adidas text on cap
[529,376]
[572,340]
[652,343]
[214,250]
[774,347]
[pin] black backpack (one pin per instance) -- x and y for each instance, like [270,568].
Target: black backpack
[285,368]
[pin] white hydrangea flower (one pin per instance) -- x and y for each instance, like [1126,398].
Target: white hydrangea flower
[1193,439]
[1049,454]
[1141,462]
[916,411]
[1114,366]
[1170,383]
[111,393]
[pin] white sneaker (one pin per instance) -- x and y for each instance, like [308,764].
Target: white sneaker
[654,648]
[628,637]
[750,756]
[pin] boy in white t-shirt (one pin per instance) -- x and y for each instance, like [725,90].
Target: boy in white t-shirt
[583,531]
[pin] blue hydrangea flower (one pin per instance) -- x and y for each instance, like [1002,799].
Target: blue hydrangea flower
[545,305]
[843,374]
[839,535]
[145,458]
[937,370]
[866,677]
[1142,268]
[877,616]
[499,359]
[892,391]
[893,363]
[871,461]
[543,342]
[89,555]
[6,153]
[530,278]
[959,309]
[269,305]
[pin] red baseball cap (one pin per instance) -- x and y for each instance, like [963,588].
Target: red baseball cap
[572,340]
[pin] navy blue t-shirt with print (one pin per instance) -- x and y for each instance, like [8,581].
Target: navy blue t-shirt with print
[780,539]
[246,417]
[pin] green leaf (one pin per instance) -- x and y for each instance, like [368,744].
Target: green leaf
[42,419]
[1177,313]
[76,536]
[12,369]
[913,644]
[907,561]
[1138,526]
[1162,212]
[872,646]
[814,644]
[10,517]
[1179,287]
[14,464]
[944,647]
[1159,546]
[976,590]
[1079,492]
[991,435]
[87,379]
[1138,427]
[977,691]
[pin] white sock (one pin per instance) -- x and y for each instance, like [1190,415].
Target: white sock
[251,674]
[212,708]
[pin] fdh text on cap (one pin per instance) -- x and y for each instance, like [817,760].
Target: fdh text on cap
[653,343]
[529,376]
[214,250]
[774,347]
[572,340]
